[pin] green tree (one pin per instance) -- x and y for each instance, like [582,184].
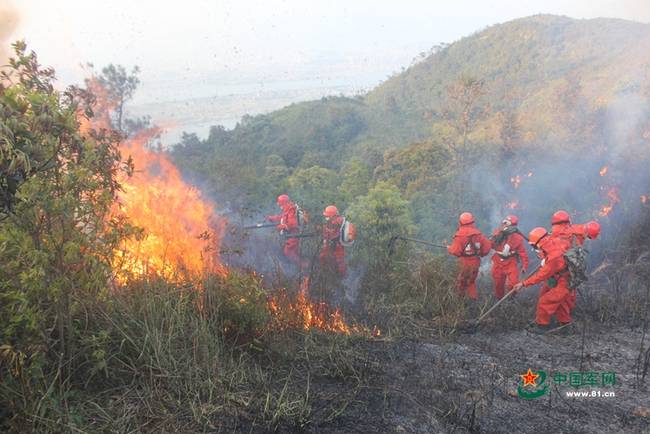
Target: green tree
[22,154]
[379,215]
[121,86]
[57,242]
[314,188]
[356,177]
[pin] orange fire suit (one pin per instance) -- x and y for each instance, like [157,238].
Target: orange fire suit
[555,296]
[288,223]
[570,234]
[332,247]
[509,248]
[469,245]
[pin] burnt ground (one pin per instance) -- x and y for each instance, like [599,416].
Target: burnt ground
[468,383]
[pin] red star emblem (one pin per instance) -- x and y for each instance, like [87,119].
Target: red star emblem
[529,378]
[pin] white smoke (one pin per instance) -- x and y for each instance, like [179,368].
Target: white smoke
[8,23]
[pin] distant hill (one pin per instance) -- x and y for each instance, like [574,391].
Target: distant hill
[539,73]
[527,64]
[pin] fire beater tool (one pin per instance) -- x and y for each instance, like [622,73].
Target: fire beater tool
[473,325]
[313,234]
[261,225]
[393,240]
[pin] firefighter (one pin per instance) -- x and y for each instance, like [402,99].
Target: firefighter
[572,234]
[554,295]
[288,224]
[469,245]
[509,249]
[562,228]
[332,248]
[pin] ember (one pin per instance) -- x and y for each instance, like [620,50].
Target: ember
[612,196]
[512,205]
[515,180]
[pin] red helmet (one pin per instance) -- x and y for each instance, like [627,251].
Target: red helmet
[593,230]
[560,216]
[512,219]
[466,218]
[330,211]
[283,199]
[536,235]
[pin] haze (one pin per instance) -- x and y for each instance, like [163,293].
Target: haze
[262,54]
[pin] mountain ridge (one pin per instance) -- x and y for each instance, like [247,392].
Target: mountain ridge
[546,76]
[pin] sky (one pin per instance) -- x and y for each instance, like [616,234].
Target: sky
[239,38]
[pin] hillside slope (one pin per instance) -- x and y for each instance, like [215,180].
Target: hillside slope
[546,82]
[529,64]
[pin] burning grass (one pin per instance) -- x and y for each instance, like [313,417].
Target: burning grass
[301,312]
[151,360]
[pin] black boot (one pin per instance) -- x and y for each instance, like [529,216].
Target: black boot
[564,328]
[538,329]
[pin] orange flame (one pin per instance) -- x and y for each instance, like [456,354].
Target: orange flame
[603,171]
[612,196]
[302,313]
[181,232]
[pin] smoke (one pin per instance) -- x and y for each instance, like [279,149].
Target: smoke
[603,165]
[8,23]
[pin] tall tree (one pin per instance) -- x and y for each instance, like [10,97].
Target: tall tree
[121,87]
[463,110]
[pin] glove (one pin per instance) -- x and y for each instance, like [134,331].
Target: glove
[517,287]
[267,218]
[282,227]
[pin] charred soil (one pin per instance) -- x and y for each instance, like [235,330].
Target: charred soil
[468,383]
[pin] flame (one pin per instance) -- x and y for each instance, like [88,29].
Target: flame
[603,171]
[516,180]
[512,205]
[645,198]
[302,313]
[305,314]
[180,240]
[612,196]
[181,232]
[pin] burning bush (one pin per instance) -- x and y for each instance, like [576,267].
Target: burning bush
[79,218]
